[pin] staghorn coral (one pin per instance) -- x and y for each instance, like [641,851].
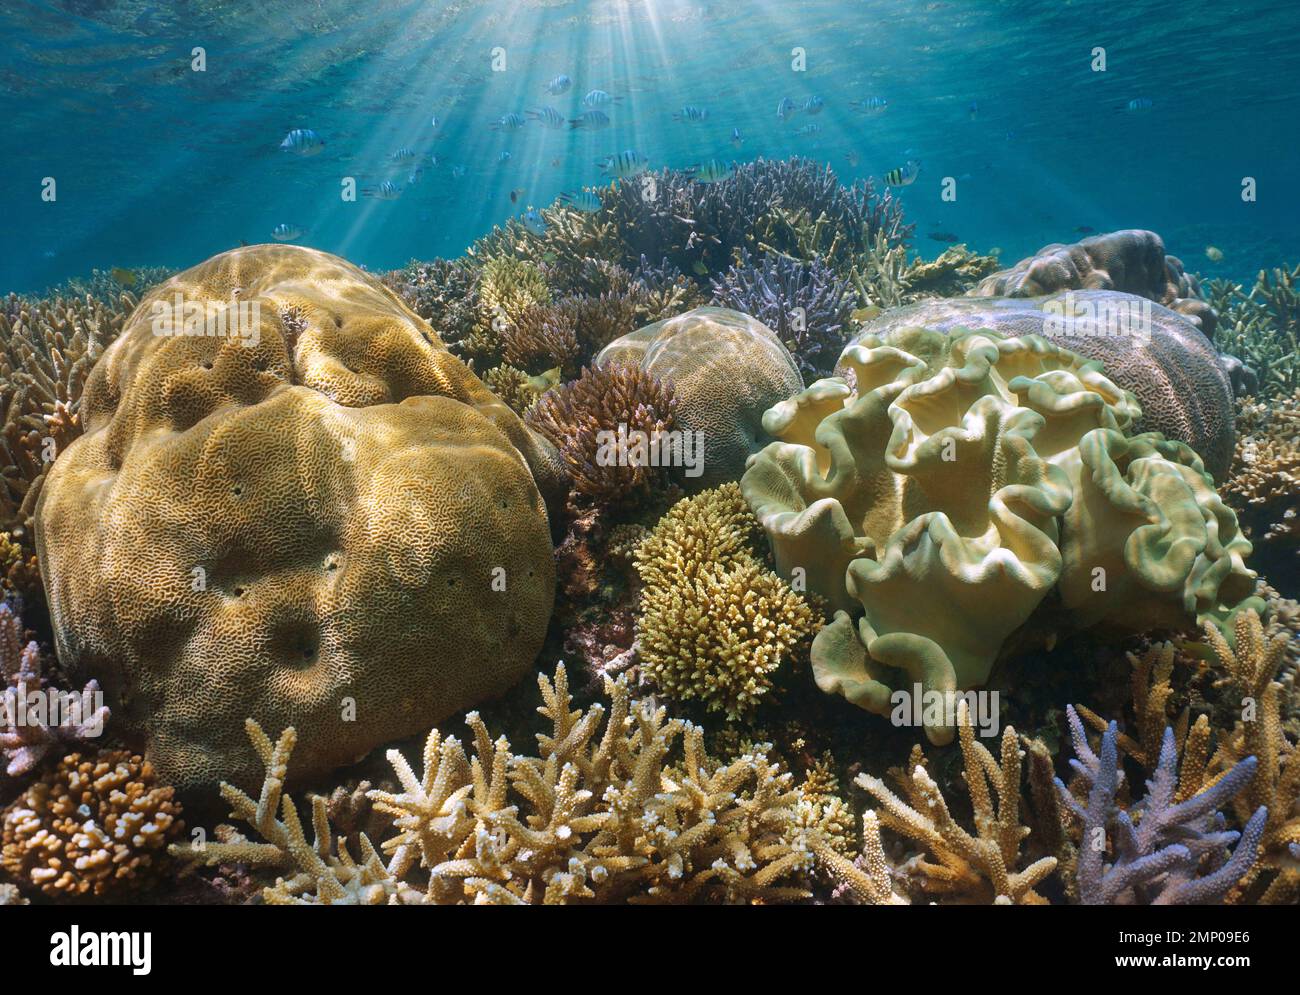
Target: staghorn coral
[541,338]
[93,825]
[358,525]
[866,879]
[1262,327]
[585,418]
[804,303]
[979,867]
[619,806]
[884,277]
[1263,485]
[1131,261]
[726,369]
[442,292]
[35,716]
[1162,850]
[987,473]
[715,623]
[517,388]
[1179,379]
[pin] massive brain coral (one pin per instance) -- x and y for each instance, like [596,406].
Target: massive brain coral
[318,512]
[962,478]
[1181,381]
[726,369]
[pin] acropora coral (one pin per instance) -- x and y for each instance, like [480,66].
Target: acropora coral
[984,472]
[619,806]
[1262,327]
[1263,484]
[94,824]
[715,623]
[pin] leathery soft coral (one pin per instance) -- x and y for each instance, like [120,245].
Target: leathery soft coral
[949,482]
[620,803]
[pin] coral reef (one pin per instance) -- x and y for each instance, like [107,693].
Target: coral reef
[983,472]
[1262,326]
[726,370]
[1162,850]
[715,622]
[94,825]
[356,530]
[805,303]
[1177,376]
[624,806]
[583,420]
[1132,261]
[978,868]
[1263,485]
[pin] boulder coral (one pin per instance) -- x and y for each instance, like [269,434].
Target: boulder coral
[726,369]
[320,516]
[959,482]
[1181,382]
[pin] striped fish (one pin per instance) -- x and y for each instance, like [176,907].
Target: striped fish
[303,142]
[785,109]
[593,120]
[508,122]
[904,175]
[871,106]
[692,113]
[710,172]
[627,163]
[388,190]
[813,105]
[549,116]
[597,98]
[558,85]
[586,201]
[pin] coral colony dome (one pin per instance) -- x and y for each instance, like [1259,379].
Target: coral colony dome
[649,451]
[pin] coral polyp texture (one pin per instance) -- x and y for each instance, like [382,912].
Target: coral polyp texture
[726,369]
[315,513]
[961,480]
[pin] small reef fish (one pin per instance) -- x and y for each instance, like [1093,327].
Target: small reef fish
[692,113]
[973,109]
[699,269]
[516,194]
[786,109]
[388,190]
[710,172]
[871,106]
[593,120]
[597,98]
[586,201]
[904,175]
[627,163]
[809,129]
[123,276]
[1214,254]
[859,315]
[302,142]
[415,176]
[534,221]
[433,122]
[503,157]
[853,157]
[1139,104]
[286,233]
[545,381]
[1085,230]
[737,140]
[558,85]
[814,105]
[549,116]
[457,172]
[404,155]
[508,122]
[943,236]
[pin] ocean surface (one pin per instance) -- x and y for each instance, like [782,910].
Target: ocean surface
[156,163]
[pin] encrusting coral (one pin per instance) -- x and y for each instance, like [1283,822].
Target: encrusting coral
[92,825]
[980,867]
[624,805]
[715,623]
[982,472]
[352,529]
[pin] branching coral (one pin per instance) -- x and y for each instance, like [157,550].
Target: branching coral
[624,806]
[1263,485]
[1262,327]
[93,825]
[984,472]
[867,879]
[978,867]
[1162,851]
[805,303]
[715,623]
[612,428]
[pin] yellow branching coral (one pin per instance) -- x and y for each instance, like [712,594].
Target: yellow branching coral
[867,879]
[979,867]
[1263,485]
[962,478]
[92,825]
[623,804]
[715,621]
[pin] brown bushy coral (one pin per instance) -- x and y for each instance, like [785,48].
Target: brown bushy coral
[715,622]
[94,825]
[624,807]
[583,419]
[358,524]
[1263,485]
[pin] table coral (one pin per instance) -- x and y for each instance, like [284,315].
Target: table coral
[94,824]
[715,622]
[356,526]
[985,472]
[726,370]
[619,806]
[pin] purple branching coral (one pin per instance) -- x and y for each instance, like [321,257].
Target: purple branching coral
[1163,851]
[34,716]
[805,303]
